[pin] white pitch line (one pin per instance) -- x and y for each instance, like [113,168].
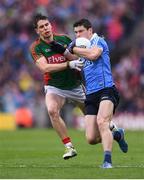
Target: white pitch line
[61,166]
[129,166]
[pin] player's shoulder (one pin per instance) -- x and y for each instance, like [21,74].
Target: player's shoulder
[102,40]
[62,36]
[34,44]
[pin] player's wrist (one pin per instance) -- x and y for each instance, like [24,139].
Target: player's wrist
[71,46]
[66,52]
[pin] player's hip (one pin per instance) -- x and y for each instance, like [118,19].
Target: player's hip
[76,94]
[93,100]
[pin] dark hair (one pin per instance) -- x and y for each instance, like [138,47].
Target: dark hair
[83,22]
[37,18]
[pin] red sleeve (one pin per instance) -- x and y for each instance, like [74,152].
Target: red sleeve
[35,51]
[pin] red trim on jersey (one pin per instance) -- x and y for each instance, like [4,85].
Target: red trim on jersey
[46,78]
[32,49]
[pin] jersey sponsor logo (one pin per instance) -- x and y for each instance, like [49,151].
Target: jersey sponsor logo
[65,45]
[55,59]
[87,63]
[47,50]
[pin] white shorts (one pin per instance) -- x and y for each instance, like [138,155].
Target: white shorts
[76,94]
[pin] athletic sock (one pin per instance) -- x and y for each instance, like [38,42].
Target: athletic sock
[67,142]
[107,156]
[113,126]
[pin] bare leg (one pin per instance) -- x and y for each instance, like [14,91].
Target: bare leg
[103,119]
[92,131]
[54,104]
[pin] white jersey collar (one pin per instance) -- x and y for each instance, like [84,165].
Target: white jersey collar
[94,36]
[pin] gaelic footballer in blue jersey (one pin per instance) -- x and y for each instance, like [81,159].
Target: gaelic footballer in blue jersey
[102,96]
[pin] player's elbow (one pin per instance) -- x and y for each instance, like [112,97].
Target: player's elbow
[44,69]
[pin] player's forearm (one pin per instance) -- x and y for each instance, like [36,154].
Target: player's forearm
[53,67]
[91,54]
[70,56]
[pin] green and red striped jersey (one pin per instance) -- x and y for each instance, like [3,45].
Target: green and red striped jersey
[64,79]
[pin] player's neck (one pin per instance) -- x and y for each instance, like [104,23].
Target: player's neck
[47,39]
[90,36]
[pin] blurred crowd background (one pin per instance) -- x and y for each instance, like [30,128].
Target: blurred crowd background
[121,22]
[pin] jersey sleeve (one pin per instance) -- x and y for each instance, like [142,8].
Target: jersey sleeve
[98,42]
[103,44]
[35,52]
[71,44]
[68,39]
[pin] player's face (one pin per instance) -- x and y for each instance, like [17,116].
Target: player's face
[44,29]
[81,31]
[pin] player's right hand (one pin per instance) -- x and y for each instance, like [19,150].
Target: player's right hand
[76,64]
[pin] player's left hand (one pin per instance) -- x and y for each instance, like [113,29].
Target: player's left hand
[76,64]
[57,47]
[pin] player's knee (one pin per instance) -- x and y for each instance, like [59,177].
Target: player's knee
[91,140]
[53,113]
[102,123]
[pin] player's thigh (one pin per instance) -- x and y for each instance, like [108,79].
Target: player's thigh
[54,101]
[91,127]
[105,111]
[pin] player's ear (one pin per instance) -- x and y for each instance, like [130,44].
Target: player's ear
[36,30]
[90,30]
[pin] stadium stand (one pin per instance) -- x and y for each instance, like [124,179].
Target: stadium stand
[121,22]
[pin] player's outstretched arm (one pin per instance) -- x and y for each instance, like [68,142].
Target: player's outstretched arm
[57,47]
[41,63]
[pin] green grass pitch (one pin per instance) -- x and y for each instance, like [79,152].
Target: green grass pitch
[37,154]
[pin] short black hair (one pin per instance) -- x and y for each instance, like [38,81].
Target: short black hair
[37,18]
[83,22]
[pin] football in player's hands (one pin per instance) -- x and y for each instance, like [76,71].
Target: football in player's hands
[82,42]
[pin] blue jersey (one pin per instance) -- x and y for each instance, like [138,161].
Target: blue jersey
[97,73]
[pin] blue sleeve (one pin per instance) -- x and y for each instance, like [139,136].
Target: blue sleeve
[71,45]
[97,42]
[102,44]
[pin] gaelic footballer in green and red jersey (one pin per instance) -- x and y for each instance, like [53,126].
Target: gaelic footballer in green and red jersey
[66,79]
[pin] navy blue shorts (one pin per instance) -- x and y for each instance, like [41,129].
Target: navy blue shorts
[93,100]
